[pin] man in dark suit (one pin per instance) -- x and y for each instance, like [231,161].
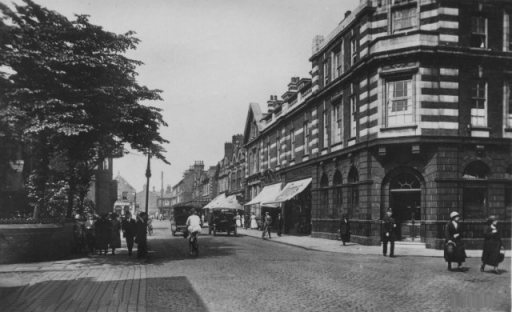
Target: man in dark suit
[141,235]
[279,224]
[388,234]
[129,227]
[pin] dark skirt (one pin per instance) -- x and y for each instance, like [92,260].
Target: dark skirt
[491,252]
[455,252]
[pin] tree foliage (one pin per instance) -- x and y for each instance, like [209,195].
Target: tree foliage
[70,89]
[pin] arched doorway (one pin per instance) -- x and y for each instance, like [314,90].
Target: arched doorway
[405,201]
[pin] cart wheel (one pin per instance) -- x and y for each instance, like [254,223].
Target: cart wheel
[173,233]
[235,232]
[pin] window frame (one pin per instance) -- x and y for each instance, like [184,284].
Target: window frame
[353,50]
[306,138]
[278,150]
[326,129]
[390,99]
[475,34]
[507,103]
[477,99]
[337,124]
[413,18]
[292,143]
[353,115]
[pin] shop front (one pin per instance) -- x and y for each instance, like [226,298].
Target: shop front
[295,199]
[258,204]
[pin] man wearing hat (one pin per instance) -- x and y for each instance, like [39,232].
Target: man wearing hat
[454,250]
[388,234]
[266,225]
[129,227]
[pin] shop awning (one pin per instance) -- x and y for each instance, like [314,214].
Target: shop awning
[291,190]
[230,202]
[217,200]
[268,193]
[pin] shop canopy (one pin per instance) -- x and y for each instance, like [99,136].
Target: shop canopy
[268,193]
[291,190]
[229,202]
[216,201]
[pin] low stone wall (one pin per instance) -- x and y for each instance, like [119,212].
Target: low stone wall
[22,243]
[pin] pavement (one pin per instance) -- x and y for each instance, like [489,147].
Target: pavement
[329,245]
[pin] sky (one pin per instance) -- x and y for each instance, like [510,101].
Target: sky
[211,58]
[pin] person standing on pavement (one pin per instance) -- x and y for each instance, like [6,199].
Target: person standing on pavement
[238,220]
[493,251]
[344,229]
[267,225]
[129,226]
[115,235]
[279,224]
[102,231]
[254,223]
[141,235]
[388,234]
[454,250]
[89,232]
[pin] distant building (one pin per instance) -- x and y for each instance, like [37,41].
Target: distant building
[152,202]
[126,196]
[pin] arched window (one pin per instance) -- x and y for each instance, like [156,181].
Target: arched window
[353,180]
[475,190]
[324,196]
[338,192]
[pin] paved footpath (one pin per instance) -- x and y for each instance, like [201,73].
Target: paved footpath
[329,245]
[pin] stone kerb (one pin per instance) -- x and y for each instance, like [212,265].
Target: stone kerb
[21,243]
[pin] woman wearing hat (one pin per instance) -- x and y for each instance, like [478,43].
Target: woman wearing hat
[454,250]
[493,246]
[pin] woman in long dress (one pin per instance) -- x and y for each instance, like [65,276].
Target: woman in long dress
[102,237]
[454,250]
[238,221]
[344,229]
[254,224]
[493,246]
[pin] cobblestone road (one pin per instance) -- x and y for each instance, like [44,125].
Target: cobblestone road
[248,274]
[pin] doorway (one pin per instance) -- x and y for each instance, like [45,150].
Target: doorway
[405,200]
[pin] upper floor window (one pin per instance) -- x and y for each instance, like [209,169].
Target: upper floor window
[507,32]
[306,138]
[353,50]
[336,123]
[399,103]
[353,114]
[508,103]
[125,196]
[478,32]
[326,129]
[326,71]
[278,150]
[105,164]
[268,153]
[292,143]
[479,103]
[336,63]
[404,18]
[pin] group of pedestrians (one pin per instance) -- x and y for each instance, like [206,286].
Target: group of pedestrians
[101,233]
[454,250]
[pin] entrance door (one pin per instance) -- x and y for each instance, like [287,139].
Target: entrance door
[405,199]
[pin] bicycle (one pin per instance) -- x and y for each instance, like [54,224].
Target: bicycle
[193,245]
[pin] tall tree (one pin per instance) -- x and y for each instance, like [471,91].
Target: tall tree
[74,92]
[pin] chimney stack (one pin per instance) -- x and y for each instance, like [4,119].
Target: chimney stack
[348,13]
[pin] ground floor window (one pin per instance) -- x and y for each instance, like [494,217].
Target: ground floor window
[475,202]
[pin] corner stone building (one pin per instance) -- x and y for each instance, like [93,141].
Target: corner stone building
[410,109]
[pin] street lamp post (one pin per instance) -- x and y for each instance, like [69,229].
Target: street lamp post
[148,175]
